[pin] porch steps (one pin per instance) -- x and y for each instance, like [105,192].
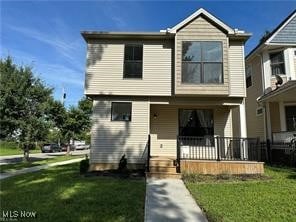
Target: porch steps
[163,175]
[162,167]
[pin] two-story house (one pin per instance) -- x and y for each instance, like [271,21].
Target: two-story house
[271,84]
[183,86]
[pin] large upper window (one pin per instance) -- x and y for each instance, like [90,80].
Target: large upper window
[133,61]
[121,111]
[277,63]
[202,62]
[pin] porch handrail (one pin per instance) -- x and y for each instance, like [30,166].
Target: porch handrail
[148,153]
[217,148]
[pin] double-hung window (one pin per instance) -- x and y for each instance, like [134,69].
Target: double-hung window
[249,76]
[133,61]
[202,62]
[121,111]
[277,63]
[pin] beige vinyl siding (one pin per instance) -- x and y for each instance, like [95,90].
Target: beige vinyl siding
[223,122]
[105,62]
[236,131]
[255,124]
[236,69]
[164,130]
[111,139]
[275,117]
[165,127]
[200,30]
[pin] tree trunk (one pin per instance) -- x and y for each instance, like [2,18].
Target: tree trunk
[26,153]
[69,148]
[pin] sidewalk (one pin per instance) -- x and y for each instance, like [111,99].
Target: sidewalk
[169,200]
[37,168]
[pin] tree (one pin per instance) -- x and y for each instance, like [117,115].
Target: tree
[75,123]
[85,104]
[23,102]
[265,36]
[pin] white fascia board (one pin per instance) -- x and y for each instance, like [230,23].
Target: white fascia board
[198,13]
[281,44]
[280,29]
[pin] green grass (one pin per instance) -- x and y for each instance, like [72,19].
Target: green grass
[271,198]
[18,166]
[5,151]
[61,194]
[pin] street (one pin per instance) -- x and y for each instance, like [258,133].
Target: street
[38,156]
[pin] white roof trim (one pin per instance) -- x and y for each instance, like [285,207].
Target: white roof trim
[280,29]
[198,13]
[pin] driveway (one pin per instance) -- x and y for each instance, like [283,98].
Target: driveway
[38,156]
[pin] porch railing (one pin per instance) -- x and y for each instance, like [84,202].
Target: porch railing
[283,137]
[217,148]
[148,153]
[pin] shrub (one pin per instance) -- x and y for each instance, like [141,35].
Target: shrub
[122,166]
[84,165]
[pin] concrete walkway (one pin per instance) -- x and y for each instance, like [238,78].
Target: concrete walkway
[11,159]
[37,168]
[169,200]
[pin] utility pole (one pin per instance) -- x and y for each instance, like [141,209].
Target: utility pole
[63,96]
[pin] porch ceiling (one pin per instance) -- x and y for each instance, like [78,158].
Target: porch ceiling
[197,101]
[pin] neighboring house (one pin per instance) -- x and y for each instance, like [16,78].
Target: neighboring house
[187,81]
[271,109]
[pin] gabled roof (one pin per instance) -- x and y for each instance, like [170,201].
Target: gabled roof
[272,35]
[168,33]
[285,32]
[87,35]
[198,13]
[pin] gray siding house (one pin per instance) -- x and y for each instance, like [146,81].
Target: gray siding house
[271,105]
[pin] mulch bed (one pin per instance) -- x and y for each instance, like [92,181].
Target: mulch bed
[124,174]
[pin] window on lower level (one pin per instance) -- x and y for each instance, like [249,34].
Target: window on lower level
[121,111]
[248,76]
[291,118]
[133,61]
[202,62]
[277,63]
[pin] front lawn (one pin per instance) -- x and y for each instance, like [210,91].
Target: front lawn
[61,194]
[18,166]
[260,199]
[4,151]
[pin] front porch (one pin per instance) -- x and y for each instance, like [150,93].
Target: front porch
[200,138]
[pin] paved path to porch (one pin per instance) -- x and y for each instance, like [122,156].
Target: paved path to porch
[169,200]
[37,168]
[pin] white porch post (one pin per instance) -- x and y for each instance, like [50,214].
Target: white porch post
[268,122]
[243,122]
[243,130]
[282,116]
